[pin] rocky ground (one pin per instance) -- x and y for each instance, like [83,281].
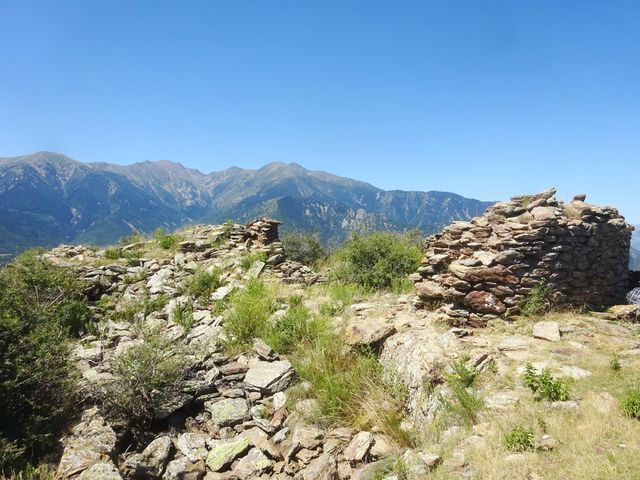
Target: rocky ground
[234,416]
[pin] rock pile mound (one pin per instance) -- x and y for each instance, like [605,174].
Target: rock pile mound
[487,267]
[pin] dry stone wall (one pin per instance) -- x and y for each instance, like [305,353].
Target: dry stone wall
[487,267]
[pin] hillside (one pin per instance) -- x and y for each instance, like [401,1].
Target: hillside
[215,357]
[48,198]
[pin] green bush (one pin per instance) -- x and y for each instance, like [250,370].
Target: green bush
[537,302]
[155,365]
[113,253]
[615,364]
[519,439]
[204,283]
[544,386]
[41,308]
[465,402]
[305,248]
[166,241]
[249,260]
[377,260]
[293,328]
[631,404]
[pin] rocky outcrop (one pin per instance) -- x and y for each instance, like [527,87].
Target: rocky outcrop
[487,267]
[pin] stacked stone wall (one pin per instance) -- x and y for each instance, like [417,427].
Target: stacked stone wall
[489,266]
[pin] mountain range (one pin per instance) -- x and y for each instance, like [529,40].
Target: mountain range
[47,198]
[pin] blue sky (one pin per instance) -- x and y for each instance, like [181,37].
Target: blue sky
[483,98]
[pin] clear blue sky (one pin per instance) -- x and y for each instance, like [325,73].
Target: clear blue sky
[483,98]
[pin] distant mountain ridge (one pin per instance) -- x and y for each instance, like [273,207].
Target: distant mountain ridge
[47,198]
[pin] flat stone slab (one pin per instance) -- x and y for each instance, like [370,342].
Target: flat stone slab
[547,331]
[513,343]
[228,411]
[270,377]
[358,447]
[223,452]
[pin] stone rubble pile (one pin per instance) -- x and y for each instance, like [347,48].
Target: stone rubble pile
[487,267]
[228,416]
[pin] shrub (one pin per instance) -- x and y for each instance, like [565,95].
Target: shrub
[537,302]
[519,439]
[305,248]
[631,404]
[465,402]
[376,260]
[544,386]
[295,327]
[615,364]
[156,364]
[204,283]
[41,307]
[113,253]
[166,241]
[249,260]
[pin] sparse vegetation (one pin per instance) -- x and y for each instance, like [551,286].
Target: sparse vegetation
[144,369]
[248,315]
[615,364]
[249,260]
[631,404]
[41,308]
[465,402]
[204,283]
[519,439]
[537,302]
[544,386]
[305,248]
[165,240]
[377,260]
[182,314]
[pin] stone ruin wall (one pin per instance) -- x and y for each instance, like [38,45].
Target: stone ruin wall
[487,267]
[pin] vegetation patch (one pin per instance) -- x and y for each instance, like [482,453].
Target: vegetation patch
[155,364]
[544,386]
[377,260]
[41,308]
[631,404]
[465,402]
[165,240]
[249,260]
[305,248]
[204,283]
[519,439]
[537,302]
